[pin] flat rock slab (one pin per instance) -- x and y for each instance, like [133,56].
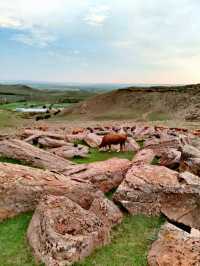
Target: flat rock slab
[175,247]
[106,175]
[70,151]
[20,150]
[61,232]
[22,187]
[145,156]
[150,190]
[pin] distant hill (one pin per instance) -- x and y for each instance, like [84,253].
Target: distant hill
[15,93]
[142,103]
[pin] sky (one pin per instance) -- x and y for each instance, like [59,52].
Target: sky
[93,41]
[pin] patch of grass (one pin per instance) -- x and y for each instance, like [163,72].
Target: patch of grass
[158,116]
[156,160]
[14,249]
[141,143]
[10,160]
[9,119]
[95,155]
[130,243]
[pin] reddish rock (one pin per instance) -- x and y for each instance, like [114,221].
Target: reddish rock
[61,232]
[150,190]
[31,155]
[70,151]
[106,175]
[46,142]
[145,156]
[170,158]
[107,211]
[22,187]
[93,140]
[175,247]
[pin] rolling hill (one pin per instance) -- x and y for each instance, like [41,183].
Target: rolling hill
[147,103]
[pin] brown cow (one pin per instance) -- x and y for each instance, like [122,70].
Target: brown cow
[113,139]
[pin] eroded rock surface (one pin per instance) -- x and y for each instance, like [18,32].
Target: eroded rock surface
[22,187]
[152,189]
[61,232]
[175,247]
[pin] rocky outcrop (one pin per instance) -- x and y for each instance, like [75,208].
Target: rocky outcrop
[151,189]
[190,159]
[46,142]
[93,140]
[170,158]
[105,175]
[22,187]
[61,232]
[145,156]
[31,155]
[175,247]
[70,151]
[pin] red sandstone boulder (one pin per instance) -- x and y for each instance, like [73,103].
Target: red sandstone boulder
[31,155]
[61,232]
[93,140]
[70,151]
[22,187]
[175,247]
[105,175]
[150,190]
[145,156]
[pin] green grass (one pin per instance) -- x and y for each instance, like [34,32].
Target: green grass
[13,245]
[158,116]
[129,246]
[9,119]
[130,243]
[95,155]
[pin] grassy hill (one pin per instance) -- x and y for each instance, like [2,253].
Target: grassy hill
[148,103]
[20,93]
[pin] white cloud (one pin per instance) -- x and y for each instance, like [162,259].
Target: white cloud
[7,22]
[97,15]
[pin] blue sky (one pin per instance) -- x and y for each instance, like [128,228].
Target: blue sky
[126,41]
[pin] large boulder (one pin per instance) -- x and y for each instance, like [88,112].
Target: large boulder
[46,142]
[150,190]
[70,151]
[190,159]
[22,187]
[106,175]
[61,232]
[170,158]
[144,156]
[93,140]
[175,247]
[31,155]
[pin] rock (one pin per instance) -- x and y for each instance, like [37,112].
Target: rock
[105,175]
[29,135]
[131,145]
[22,187]
[70,151]
[61,232]
[46,142]
[107,211]
[145,156]
[151,189]
[143,132]
[161,144]
[190,159]
[31,155]
[170,158]
[93,140]
[75,138]
[175,247]
[188,151]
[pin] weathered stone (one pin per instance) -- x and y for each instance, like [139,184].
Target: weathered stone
[20,150]
[175,247]
[170,158]
[22,187]
[150,190]
[107,211]
[106,175]
[61,232]
[70,151]
[144,156]
[188,151]
[93,140]
[46,142]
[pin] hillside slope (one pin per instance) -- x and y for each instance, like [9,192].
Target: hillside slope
[152,103]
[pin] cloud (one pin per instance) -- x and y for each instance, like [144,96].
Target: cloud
[7,22]
[35,37]
[97,15]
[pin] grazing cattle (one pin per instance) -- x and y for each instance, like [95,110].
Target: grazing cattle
[113,139]
[57,112]
[39,118]
[47,116]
